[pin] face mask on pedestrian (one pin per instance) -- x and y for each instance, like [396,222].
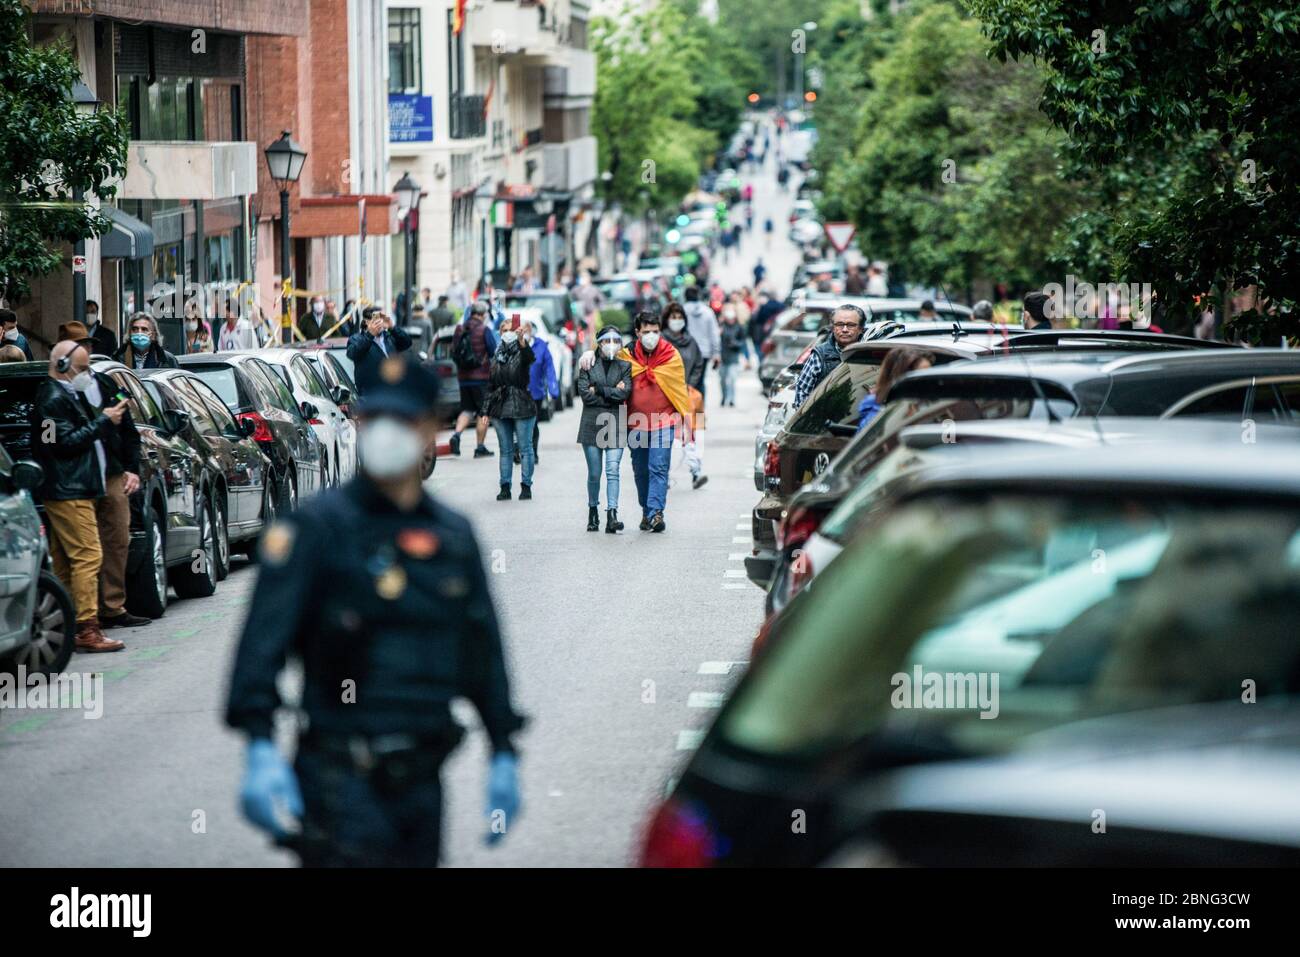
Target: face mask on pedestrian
[676,325]
[389,447]
[509,337]
[11,335]
[140,341]
[649,341]
[192,325]
[609,349]
[318,308]
[82,381]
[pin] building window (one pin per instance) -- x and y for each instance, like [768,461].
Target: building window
[455,59]
[403,50]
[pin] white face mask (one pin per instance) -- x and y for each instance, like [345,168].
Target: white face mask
[389,447]
[676,325]
[609,349]
[649,341]
[509,337]
[82,381]
[318,308]
[192,325]
[12,334]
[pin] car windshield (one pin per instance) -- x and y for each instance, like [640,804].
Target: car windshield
[1034,610]
[552,307]
[619,290]
[221,379]
[341,354]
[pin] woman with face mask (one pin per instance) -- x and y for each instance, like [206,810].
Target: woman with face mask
[512,408]
[143,348]
[604,389]
[198,336]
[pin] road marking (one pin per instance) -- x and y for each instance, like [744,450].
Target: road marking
[745,527]
[735,573]
[689,740]
[737,557]
[741,540]
[735,585]
[704,699]
[144,654]
[715,668]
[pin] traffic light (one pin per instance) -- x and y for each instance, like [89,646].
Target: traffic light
[810,96]
[753,98]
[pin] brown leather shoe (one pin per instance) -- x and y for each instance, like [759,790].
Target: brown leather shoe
[91,639]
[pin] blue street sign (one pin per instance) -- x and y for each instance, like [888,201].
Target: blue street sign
[410,118]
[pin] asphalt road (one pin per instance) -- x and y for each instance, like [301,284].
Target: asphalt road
[620,649]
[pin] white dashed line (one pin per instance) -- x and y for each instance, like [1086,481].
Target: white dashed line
[734,585]
[735,573]
[689,740]
[741,540]
[745,527]
[704,699]
[737,556]
[715,668]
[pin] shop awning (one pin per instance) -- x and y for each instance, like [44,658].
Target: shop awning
[128,239]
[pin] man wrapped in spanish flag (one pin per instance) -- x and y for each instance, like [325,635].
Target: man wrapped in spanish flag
[658,406]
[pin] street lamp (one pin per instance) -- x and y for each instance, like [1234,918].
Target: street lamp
[483,200]
[285,158]
[86,104]
[408,192]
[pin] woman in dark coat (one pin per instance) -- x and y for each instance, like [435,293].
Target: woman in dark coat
[604,389]
[512,408]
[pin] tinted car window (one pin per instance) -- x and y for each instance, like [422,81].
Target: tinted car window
[307,379]
[278,392]
[199,413]
[216,408]
[222,381]
[837,398]
[1259,402]
[143,408]
[342,375]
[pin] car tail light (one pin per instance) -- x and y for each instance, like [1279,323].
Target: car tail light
[261,431]
[772,461]
[768,346]
[797,527]
[679,836]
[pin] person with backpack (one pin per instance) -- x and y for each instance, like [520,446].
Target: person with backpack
[472,347]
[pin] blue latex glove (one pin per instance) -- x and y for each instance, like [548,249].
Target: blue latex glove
[269,787]
[503,793]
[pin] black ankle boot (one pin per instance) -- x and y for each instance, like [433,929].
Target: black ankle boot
[504,494]
[612,524]
[593,519]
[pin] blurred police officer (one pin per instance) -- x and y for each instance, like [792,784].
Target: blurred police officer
[383,652]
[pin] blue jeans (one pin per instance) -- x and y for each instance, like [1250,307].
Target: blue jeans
[512,433]
[729,370]
[613,458]
[652,454]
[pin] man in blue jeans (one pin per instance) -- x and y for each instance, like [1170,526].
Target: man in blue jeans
[658,401]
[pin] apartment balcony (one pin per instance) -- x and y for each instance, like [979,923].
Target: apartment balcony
[572,84]
[467,117]
[515,28]
[567,167]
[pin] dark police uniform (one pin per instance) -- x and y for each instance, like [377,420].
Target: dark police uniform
[390,615]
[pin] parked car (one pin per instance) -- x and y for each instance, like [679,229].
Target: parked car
[1089,583]
[620,292]
[1039,379]
[1258,399]
[254,392]
[317,402]
[1188,786]
[171,520]
[38,621]
[561,354]
[562,317]
[235,466]
[337,378]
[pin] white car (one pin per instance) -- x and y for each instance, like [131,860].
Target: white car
[561,353]
[337,433]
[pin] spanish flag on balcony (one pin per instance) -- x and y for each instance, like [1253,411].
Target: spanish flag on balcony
[458,18]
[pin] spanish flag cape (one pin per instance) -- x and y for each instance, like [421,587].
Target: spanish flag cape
[665,369]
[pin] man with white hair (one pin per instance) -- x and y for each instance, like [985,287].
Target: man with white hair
[69,440]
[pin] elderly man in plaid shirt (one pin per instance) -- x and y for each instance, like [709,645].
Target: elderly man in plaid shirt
[847,325]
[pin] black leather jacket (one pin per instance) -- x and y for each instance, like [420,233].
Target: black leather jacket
[64,430]
[510,398]
[123,445]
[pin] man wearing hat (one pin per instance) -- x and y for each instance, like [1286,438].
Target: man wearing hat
[377,340]
[380,592]
[121,481]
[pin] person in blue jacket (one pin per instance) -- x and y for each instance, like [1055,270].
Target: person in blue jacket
[377,340]
[897,364]
[542,378]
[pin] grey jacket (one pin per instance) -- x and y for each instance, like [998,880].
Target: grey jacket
[702,324]
[604,389]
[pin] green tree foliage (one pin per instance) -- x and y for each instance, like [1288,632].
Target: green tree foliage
[1213,87]
[765,28]
[955,175]
[46,152]
[645,107]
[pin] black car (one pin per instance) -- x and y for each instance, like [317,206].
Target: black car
[169,513]
[1040,589]
[253,392]
[235,466]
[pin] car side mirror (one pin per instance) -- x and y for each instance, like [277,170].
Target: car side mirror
[27,475]
[309,411]
[341,394]
[176,420]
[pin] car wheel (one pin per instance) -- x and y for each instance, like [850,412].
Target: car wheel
[221,532]
[288,495]
[146,590]
[249,548]
[198,577]
[54,630]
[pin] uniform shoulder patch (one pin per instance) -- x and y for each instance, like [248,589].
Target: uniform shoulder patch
[392,370]
[277,544]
